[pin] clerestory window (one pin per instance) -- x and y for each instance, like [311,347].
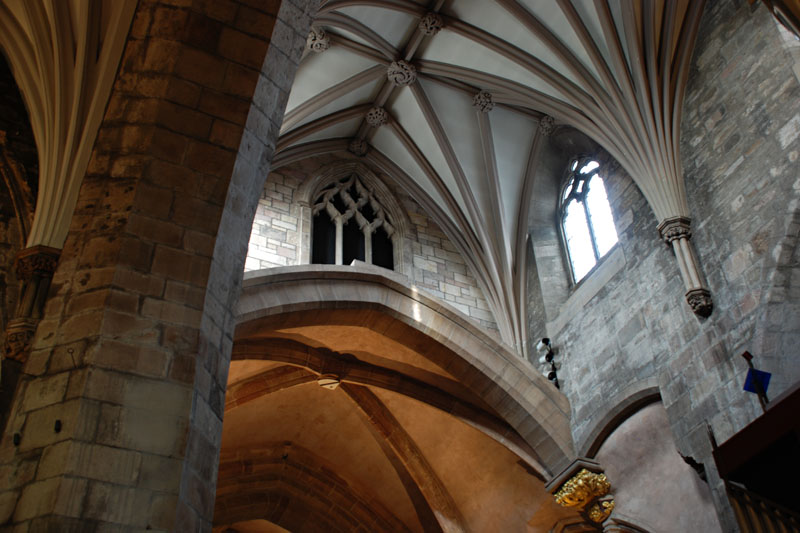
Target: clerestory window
[350,223]
[586,219]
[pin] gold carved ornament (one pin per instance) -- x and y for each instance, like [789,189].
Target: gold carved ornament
[582,488]
[600,511]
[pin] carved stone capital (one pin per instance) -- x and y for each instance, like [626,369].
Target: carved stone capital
[700,301]
[37,261]
[318,40]
[377,117]
[546,125]
[18,336]
[582,488]
[675,228]
[358,147]
[401,73]
[431,23]
[483,101]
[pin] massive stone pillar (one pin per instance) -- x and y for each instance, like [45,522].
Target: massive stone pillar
[117,420]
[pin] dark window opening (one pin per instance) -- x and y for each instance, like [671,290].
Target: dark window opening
[352,242]
[382,250]
[323,246]
[350,223]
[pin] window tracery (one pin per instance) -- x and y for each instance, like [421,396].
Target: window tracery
[587,223]
[349,223]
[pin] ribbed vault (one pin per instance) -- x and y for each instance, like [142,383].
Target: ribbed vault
[64,56]
[384,397]
[467,89]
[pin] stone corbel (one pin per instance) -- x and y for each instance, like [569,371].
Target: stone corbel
[584,487]
[35,268]
[676,232]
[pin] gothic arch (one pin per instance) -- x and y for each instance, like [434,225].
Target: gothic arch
[774,342]
[309,189]
[623,410]
[290,298]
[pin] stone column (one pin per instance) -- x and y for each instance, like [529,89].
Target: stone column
[676,232]
[583,486]
[35,267]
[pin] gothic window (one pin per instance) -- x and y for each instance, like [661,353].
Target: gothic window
[586,220]
[350,223]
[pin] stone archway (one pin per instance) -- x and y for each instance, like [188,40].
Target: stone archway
[400,396]
[316,295]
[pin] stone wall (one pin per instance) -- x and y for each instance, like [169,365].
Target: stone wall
[627,327]
[282,228]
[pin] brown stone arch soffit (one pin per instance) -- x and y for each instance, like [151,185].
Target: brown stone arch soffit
[286,485]
[305,364]
[386,304]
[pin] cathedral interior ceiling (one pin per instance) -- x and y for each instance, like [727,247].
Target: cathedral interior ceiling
[462,97]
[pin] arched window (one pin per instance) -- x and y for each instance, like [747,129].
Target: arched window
[586,219]
[350,223]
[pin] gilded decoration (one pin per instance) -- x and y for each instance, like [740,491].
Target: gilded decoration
[600,511]
[582,488]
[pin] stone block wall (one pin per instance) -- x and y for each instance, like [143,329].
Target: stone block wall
[275,237]
[281,236]
[439,268]
[740,145]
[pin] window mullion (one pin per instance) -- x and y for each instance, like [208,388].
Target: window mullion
[589,224]
[339,240]
[367,244]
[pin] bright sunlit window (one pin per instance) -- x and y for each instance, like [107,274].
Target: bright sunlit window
[586,217]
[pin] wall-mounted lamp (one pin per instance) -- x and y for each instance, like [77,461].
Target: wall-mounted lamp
[547,360]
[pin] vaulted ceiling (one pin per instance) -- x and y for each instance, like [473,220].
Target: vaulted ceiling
[454,99]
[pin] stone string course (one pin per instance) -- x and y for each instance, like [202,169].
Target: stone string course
[432,261]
